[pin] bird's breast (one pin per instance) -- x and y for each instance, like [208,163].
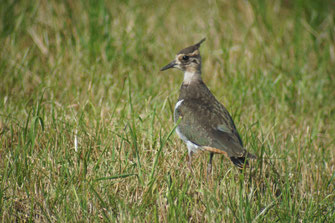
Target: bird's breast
[177,112]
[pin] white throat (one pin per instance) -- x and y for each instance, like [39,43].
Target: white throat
[191,76]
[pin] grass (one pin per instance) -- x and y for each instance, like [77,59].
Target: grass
[86,130]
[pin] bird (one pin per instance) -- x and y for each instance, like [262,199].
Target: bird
[203,123]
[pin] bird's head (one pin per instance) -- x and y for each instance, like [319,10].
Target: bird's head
[188,59]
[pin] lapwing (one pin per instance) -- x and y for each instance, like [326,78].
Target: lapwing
[203,122]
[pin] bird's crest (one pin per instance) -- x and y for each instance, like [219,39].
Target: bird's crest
[192,48]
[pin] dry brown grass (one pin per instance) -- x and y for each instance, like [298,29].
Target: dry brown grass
[89,72]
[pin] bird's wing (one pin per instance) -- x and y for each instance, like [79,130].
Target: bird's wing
[210,127]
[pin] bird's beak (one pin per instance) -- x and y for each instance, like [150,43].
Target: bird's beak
[170,65]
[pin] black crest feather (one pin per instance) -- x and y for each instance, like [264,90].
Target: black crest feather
[192,48]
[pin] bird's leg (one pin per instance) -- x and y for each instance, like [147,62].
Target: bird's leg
[190,154]
[209,166]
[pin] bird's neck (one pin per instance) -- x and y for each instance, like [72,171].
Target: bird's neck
[191,76]
[195,90]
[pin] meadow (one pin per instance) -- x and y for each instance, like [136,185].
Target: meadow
[86,117]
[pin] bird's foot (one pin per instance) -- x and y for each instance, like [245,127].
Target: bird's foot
[189,165]
[209,171]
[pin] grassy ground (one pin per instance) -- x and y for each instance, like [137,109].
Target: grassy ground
[86,130]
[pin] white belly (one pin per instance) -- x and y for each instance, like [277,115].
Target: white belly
[190,145]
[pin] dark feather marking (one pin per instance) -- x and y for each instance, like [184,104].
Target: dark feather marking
[192,48]
[239,161]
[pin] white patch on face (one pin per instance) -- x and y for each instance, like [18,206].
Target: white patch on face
[177,60]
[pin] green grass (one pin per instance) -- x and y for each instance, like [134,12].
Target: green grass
[86,129]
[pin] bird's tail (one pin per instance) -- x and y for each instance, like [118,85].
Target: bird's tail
[243,160]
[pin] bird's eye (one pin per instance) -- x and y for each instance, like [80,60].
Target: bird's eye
[185,57]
